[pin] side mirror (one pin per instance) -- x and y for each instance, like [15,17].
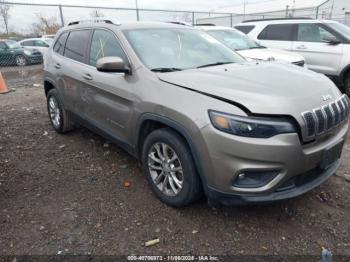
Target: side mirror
[331,40]
[112,64]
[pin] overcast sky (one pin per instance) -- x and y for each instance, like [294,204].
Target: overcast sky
[22,17]
[203,5]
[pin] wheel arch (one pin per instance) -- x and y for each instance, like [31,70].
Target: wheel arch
[149,122]
[344,73]
[48,85]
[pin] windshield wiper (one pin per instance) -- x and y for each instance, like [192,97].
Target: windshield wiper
[166,69]
[257,47]
[215,64]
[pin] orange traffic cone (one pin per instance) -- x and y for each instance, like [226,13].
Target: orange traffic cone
[3,86]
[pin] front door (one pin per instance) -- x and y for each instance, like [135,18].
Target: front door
[312,42]
[109,97]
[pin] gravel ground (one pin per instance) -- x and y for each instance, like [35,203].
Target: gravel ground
[66,194]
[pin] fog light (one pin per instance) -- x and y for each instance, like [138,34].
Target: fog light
[254,179]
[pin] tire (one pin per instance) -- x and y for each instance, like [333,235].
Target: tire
[191,189]
[21,60]
[60,119]
[347,84]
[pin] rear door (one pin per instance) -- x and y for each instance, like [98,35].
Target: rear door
[278,36]
[72,66]
[108,96]
[311,42]
[29,44]
[41,46]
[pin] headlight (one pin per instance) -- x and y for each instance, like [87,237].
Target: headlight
[258,127]
[27,52]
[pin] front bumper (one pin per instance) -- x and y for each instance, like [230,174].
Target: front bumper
[294,187]
[224,157]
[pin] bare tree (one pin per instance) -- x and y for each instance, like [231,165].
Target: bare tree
[5,14]
[96,13]
[46,25]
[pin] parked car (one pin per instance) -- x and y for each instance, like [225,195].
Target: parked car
[40,44]
[324,44]
[242,44]
[198,116]
[12,53]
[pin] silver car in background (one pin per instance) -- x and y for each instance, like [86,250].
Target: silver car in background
[250,49]
[197,115]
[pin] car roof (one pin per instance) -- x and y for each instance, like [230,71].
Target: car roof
[213,28]
[31,39]
[284,21]
[127,25]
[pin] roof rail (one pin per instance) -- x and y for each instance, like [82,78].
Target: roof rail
[276,19]
[179,23]
[205,24]
[92,20]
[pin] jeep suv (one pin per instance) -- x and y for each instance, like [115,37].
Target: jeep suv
[197,115]
[324,44]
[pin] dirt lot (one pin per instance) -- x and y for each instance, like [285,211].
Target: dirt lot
[65,194]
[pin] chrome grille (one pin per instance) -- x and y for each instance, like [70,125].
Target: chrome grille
[329,116]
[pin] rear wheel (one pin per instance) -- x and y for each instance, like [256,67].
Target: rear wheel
[169,168]
[347,84]
[59,117]
[21,60]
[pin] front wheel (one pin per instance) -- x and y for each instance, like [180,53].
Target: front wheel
[169,168]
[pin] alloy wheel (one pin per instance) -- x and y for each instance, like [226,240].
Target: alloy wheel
[166,169]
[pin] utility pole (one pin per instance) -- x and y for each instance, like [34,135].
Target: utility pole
[332,8]
[137,10]
[244,8]
[287,11]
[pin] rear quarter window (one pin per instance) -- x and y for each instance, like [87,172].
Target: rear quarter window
[245,28]
[77,44]
[60,43]
[278,32]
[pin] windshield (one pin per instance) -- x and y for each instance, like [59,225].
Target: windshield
[341,29]
[179,49]
[13,44]
[234,40]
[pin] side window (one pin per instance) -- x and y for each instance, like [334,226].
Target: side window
[77,44]
[104,44]
[313,33]
[245,28]
[59,45]
[40,43]
[280,32]
[27,43]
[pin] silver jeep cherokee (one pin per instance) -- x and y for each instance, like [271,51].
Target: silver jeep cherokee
[198,116]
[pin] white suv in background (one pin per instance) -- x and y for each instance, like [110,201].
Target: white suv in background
[248,48]
[324,44]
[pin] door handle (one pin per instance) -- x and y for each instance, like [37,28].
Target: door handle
[57,66]
[87,77]
[302,47]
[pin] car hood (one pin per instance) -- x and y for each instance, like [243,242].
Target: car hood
[260,87]
[269,53]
